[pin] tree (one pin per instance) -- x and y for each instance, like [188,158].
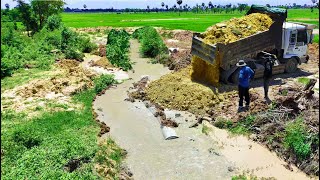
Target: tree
[242,7]
[313,1]
[179,2]
[203,6]
[7,6]
[28,20]
[167,7]
[43,9]
[162,4]
[210,5]
[85,6]
[148,8]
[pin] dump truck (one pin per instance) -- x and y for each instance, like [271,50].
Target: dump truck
[286,42]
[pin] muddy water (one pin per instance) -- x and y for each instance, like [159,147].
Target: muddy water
[193,155]
[150,156]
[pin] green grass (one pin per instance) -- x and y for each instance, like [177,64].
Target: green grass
[316,38]
[187,21]
[39,148]
[296,138]
[303,80]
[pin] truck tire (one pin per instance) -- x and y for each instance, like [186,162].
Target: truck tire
[235,77]
[291,65]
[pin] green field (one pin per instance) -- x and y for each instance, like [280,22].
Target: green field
[187,21]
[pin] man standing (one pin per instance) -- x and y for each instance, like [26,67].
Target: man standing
[267,75]
[245,75]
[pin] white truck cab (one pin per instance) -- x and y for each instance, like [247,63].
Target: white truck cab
[295,40]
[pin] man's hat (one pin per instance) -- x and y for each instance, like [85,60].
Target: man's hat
[241,63]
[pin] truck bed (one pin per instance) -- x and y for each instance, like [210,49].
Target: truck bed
[247,47]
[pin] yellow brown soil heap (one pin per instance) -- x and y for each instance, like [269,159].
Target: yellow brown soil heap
[227,32]
[177,91]
[236,28]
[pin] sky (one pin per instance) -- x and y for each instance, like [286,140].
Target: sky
[121,4]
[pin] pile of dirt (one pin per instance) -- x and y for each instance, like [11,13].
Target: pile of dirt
[102,50]
[70,79]
[102,62]
[177,91]
[228,109]
[179,60]
[74,79]
[182,35]
[236,28]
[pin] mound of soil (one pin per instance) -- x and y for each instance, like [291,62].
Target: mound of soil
[102,62]
[102,50]
[177,91]
[179,60]
[236,28]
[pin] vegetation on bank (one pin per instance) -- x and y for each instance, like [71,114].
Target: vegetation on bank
[45,146]
[118,48]
[151,44]
[54,41]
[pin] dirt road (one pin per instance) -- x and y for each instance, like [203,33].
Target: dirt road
[193,155]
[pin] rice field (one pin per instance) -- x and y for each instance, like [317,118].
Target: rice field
[171,20]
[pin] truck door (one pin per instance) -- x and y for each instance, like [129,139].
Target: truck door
[301,44]
[292,42]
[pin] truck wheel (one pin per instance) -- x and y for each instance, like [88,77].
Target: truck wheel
[291,65]
[235,77]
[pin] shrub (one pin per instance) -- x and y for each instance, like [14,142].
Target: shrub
[11,61]
[86,46]
[117,49]
[296,139]
[72,53]
[53,22]
[151,42]
[103,82]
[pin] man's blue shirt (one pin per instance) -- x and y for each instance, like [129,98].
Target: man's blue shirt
[245,74]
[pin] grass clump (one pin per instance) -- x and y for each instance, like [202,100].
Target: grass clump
[303,80]
[151,43]
[223,123]
[117,49]
[102,82]
[296,138]
[244,126]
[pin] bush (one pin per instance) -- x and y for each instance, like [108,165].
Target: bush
[53,22]
[151,42]
[117,49]
[86,46]
[12,60]
[102,82]
[72,53]
[296,139]
[18,50]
